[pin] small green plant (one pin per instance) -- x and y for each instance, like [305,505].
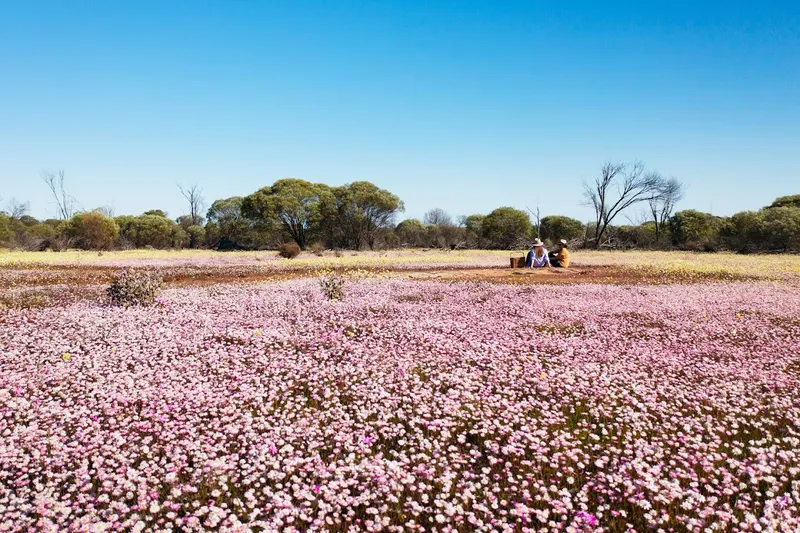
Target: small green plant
[135,287]
[332,285]
[289,250]
[24,300]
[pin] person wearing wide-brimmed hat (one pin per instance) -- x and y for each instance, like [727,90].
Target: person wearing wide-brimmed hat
[560,257]
[537,256]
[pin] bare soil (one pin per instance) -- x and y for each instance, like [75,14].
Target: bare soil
[203,276]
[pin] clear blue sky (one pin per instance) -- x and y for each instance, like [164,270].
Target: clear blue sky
[462,105]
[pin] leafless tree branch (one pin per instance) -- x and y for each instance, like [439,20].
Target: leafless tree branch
[632,185]
[65,203]
[17,209]
[194,195]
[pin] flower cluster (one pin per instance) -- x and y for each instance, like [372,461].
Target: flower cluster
[407,406]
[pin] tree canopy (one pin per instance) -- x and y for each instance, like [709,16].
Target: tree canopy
[295,203]
[506,228]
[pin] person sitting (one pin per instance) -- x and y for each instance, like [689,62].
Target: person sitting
[560,258]
[537,256]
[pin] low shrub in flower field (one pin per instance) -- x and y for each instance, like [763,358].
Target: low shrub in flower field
[332,285]
[135,287]
[406,406]
[289,250]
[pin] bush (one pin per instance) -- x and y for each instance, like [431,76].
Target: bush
[507,228]
[332,286]
[558,227]
[135,287]
[289,250]
[318,248]
[92,230]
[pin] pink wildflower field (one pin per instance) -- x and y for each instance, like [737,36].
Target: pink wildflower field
[410,405]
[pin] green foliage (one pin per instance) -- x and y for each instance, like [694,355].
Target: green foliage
[411,232]
[151,230]
[197,236]
[135,287]
[92,230]
[178,237]
[743,231]
[506,228]
[156,213]
[6,231]
[226,221]
[357,213]
[781,228]
[473,232]
[42,232]
[560,227]
[695,230]
[294,203]
[787,201]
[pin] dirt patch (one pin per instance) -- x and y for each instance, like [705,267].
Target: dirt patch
[72,276]
[605,274]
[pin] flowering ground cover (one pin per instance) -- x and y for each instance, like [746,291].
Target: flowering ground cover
[685,263]
[409,405]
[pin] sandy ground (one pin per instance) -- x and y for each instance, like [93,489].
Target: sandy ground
[85,276]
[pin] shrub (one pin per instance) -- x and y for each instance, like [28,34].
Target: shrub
[92,230]
[135,287]
[332,286]
[24,300]
[289,250]
[507,228]
[318,248]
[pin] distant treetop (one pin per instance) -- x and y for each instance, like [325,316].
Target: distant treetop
[787,201]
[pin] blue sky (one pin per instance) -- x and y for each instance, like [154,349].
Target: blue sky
[462,105]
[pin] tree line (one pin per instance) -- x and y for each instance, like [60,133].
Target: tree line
[361,215]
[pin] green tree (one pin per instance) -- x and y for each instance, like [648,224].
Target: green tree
[148,230]
[787,201]
[506,228]
[743,231]
[560,227]
[6,231]
[156,213]
[411,232]
[696,230]
[781,228]
[294,203]
[92,230]
[197,236]
[357,213]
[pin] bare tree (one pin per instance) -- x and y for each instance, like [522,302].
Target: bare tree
[106,210]
[618,187]
[55,182]
[662,204]
[17,209]
[538,217]
[194,195]
[437,217]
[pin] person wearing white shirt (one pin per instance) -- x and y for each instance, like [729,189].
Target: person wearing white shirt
[537,256]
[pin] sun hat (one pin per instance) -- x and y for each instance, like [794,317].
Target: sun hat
[563,241]
[537,243]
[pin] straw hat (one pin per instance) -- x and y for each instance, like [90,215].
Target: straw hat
[537,243]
